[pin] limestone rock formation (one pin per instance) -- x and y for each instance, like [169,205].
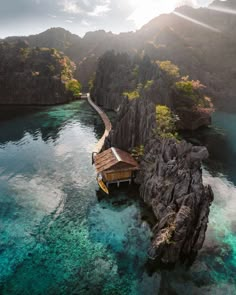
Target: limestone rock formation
[120,75]
[192,120]
[135,124]
[171,184]
[33,76]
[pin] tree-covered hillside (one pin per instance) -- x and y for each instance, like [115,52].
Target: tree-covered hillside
[35,76]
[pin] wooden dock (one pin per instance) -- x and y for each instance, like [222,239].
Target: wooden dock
[112,165]
[106,121]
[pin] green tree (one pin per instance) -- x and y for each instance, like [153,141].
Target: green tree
[169,68]
[91,82]
[135,93]
[132,94]
[148,84]
[74,87]
[188,93]
[138,152]
[166,122]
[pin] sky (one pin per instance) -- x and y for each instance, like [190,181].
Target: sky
[25,17]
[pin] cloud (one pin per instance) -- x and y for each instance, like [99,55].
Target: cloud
[85,7]
[69,21]
[70,6]
[100,10]
[85,23]
[27,16]
[52,15]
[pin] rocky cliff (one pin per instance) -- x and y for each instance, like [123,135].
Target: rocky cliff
[120,76]
[134,125]
[33,76]
[171,184]
[170,177]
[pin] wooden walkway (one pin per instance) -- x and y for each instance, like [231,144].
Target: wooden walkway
[106,122]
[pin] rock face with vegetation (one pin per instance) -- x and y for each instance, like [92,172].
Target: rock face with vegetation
[38,76]
[152,83]
[203,54]
[151,98]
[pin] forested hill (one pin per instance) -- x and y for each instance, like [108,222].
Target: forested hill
[203,53]
[38,76]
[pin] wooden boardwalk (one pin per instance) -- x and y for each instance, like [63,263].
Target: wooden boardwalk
[106,122]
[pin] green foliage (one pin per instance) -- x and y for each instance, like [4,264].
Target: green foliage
[67,68]
[138,152]
[189,93]
[148,84]
[139,87]
[25,53]
[205,102]
[166,122]
[186,87]
[74,87]
[91,82]
[169,68]
[135,93]
[136,71]
[51,69]
[132,94]
[53,51]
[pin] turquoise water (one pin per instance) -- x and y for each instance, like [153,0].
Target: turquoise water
[60,235]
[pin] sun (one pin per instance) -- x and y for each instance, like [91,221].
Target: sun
[145,10]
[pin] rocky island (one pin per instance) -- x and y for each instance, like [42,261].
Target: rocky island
[151,99]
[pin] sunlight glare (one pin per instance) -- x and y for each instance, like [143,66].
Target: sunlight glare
[146,10]
[197,22]
[221,9]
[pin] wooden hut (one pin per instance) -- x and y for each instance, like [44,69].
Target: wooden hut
[115,166]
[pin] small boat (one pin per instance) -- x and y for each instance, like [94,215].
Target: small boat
[102,184]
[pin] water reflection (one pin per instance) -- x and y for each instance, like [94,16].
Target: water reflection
[44,122]
[60,235]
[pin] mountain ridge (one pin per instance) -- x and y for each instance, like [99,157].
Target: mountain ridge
[198,51]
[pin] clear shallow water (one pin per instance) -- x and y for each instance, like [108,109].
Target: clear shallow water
[60,235]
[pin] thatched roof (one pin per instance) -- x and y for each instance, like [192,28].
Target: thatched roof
[113,156]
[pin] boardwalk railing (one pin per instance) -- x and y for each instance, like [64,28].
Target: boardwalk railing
[106,122]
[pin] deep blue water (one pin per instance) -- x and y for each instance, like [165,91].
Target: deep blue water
[60,235]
